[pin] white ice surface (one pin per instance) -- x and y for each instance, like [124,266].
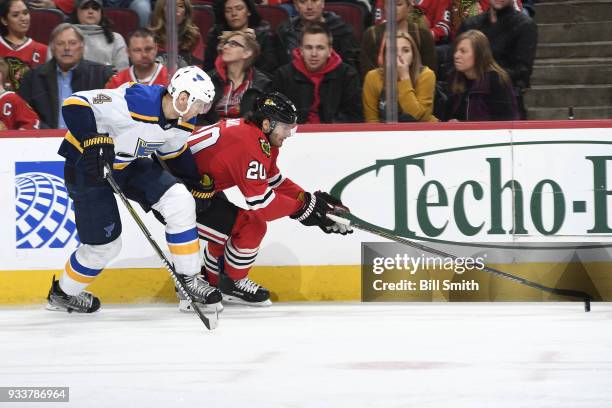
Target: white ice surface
[316,355]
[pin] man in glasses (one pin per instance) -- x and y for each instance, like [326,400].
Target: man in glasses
[118,130]
[243,153]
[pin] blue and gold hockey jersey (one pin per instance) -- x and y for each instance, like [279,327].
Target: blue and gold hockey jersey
[131,115]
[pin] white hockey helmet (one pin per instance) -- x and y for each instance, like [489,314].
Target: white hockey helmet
[195,82]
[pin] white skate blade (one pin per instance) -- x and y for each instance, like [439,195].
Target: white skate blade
[54,308]
[213,318]
[237,301]
[185,306]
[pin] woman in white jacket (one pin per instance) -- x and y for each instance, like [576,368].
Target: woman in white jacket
[101,44]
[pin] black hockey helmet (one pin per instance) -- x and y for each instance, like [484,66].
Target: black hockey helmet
[276,107]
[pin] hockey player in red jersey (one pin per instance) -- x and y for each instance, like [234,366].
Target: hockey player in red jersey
[243,153]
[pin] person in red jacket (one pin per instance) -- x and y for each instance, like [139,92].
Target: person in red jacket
[438,16]
[15,113]
[243,153]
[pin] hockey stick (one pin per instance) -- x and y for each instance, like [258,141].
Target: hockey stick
[340,215]
[180,284]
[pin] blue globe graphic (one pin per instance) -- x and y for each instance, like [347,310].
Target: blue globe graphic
[45,213]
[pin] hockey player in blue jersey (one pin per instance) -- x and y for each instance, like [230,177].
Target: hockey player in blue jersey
[122,128]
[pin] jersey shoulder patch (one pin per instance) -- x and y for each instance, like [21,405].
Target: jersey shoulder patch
[265,146]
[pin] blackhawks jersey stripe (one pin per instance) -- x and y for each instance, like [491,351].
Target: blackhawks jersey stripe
[276,180]
[261,201]
[210,234]
[211,263]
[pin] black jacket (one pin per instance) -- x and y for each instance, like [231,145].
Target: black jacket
[266,61]
[339,93]
[344,40]
[489,99]
[513,41]
[39,87]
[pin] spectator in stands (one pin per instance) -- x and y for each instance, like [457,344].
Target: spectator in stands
[240,15]
[19,51]
[415,87]
[15,113]
[480,89]
[437,13]
[513,37]
[102,45]
[463,9]
[190,44]
[142,51]
[141,7]
[408,22]
[311,11]
[45,87]
[323,88]
[234,75]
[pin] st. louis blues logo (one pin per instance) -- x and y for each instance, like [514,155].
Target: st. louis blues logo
[45,214]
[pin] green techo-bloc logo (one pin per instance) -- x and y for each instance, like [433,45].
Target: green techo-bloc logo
[505,206]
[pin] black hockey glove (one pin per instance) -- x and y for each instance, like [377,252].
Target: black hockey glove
[202,191]
[337,207]
[314,212]
[98,151]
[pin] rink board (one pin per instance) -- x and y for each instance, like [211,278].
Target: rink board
[514,183]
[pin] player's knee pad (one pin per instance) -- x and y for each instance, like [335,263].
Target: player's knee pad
[177,206]
[98,256]
[251,224]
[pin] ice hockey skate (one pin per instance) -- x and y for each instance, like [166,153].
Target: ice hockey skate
[204,294]
[243,291]
[84,302]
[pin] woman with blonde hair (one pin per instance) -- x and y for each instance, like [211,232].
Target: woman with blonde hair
[415,87]
[480,89]
[190,44]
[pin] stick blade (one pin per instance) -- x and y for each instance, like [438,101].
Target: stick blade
[210,318]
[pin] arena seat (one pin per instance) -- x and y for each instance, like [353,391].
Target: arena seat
[42,22]
[124,20]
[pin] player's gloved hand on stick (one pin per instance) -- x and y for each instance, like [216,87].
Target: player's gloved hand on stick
[202,191]
[98,151]
[336,206]
[315,210]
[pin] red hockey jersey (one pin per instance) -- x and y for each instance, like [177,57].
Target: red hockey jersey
[32,53]
[16,114]
[159,77]
[438,15]
[235,153]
